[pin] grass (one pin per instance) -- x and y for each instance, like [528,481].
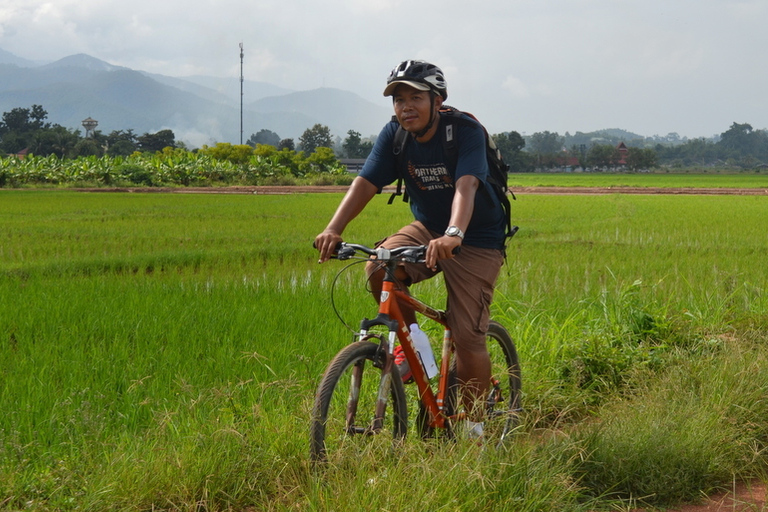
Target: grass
[160,351]
[661,178]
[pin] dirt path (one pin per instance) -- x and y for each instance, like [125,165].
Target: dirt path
[278,190]
[745,497]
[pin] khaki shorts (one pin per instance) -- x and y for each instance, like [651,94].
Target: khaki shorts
[470,278]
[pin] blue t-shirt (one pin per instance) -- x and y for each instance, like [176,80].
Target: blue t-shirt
[430,182]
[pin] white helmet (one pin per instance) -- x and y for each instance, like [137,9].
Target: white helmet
[419,75]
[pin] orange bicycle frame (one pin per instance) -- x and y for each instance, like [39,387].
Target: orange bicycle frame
[389,308]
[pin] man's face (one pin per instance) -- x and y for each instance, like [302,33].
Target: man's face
[412,107]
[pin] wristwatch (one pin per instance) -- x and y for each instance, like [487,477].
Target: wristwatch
[454,231]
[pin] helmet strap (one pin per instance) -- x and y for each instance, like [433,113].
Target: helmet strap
[432,117]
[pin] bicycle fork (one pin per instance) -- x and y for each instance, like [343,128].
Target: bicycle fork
[383,360]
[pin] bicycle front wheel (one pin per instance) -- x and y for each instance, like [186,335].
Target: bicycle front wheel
[348,415]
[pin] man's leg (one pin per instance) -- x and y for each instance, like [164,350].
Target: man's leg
[470,279]
[412,234]
[473,369]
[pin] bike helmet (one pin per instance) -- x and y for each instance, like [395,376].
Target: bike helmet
[418,74]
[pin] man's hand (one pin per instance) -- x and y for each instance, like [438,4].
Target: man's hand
[326,243]
[360,192]
[441,249]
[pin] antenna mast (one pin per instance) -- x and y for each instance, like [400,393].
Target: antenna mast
[241,94]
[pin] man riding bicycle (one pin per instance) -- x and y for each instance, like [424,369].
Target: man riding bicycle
[449,212]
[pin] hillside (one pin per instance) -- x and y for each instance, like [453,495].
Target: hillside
[345,109]
[200,110]
[9,58]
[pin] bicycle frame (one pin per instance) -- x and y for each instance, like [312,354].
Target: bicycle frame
[390,316]
[344,405]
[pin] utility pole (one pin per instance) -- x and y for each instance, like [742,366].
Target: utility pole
[241,94]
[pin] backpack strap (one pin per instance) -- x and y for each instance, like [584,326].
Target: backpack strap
[493,156]
[450,119]
[455,116]
[450,147]
[398,145]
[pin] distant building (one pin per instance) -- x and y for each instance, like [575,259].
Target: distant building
[90,125]
[354,165]
[623,151]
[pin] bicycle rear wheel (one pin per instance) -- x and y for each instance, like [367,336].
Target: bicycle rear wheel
[344,416]
[502,407]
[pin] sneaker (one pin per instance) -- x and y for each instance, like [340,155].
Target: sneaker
[402,365]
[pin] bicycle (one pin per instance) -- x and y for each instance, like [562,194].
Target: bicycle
[361,393]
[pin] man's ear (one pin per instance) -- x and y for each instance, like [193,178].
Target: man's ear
[438,101]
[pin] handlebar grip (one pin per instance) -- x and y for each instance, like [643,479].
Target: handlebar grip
[335,250]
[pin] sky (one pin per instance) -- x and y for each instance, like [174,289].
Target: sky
[652,67]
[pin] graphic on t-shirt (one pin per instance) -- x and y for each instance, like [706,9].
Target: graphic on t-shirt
[430,177]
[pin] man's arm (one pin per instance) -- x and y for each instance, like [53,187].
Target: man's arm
[461,213]
[359,194]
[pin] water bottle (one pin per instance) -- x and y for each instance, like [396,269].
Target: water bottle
[424,350]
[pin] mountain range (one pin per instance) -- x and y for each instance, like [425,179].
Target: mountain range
[199,109]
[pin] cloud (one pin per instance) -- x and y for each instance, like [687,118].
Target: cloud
[570,62]
[515,87]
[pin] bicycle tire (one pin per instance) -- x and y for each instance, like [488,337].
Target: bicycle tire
[503,406]
[503,402]
[337,421]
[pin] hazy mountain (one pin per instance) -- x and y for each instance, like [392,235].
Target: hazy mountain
[200,110]
[621,134]
[82,61]
[192,87]
[223,90]
[9,58]
[252,90]
[343,110]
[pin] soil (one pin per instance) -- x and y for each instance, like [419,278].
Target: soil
[278,190]
[742,498]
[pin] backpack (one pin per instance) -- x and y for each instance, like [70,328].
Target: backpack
[497,168]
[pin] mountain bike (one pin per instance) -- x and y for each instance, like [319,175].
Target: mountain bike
[362,394]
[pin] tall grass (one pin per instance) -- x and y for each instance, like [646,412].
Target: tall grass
[161,352]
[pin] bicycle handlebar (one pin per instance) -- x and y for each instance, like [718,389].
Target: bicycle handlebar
[409,254]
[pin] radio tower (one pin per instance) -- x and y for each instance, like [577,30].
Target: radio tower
[241,94]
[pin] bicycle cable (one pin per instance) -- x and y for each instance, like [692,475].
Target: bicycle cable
[333,293]
[368,289]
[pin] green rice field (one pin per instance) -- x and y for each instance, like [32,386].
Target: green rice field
[161,352]
[679,178]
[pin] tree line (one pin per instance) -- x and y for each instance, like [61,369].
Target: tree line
[26,129]
[740,146]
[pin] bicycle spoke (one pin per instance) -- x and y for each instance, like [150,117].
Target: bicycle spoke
[354,404]
[503,402]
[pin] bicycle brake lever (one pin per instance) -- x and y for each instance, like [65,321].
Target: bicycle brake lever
[414,255]
[344,253]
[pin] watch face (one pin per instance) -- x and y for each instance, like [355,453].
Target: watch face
[453,231]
